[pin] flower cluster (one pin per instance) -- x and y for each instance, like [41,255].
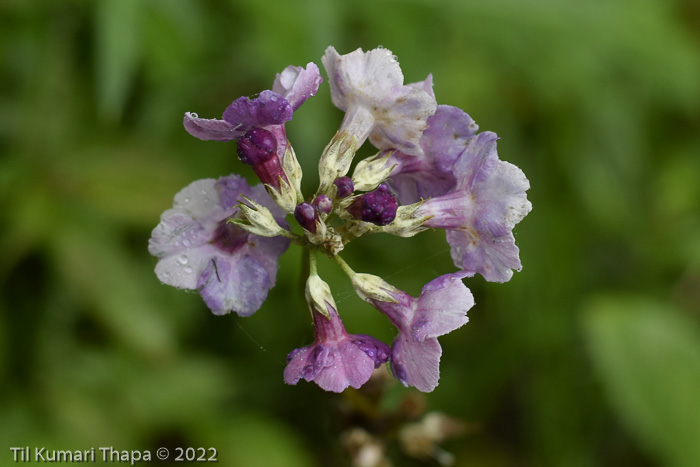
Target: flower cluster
[433,170]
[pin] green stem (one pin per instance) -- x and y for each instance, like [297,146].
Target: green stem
[298,239]
[313,271]
[344,266]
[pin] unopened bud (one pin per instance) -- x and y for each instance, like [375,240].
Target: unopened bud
[377,207]
[257,219]
[318,295]
[335,160]
[258,149]
[306,215]
[256,146]
[344,187]
[370,287]
[370,172]
[323,204]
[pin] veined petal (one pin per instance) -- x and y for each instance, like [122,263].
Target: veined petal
[449,132]
[425,85]
[492,257]
[351,367]
[297,84]
[361,75]
[236,283]
[416,363]
[211,129]
[442,306]
[267,108]
[401,119]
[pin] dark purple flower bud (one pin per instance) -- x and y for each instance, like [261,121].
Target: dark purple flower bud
[345,186]
[258,149]
[306,216]
[323,203]
[256,146]
[377,207]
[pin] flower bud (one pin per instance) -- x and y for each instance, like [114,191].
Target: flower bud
[256,146]
[369,287]
[335,160]
[257,219]
[306,215]
[258,149]
[344,186]
[318,295]
[377,207]
[323,204]
[372,171]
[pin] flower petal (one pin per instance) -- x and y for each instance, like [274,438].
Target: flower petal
[449,132]
[200,200]
[361,75]
[268,108]
[237,283]
[492,257]
[297,84]
[442,306]
[401,120]
[351,367]
[416,363]
[210,129]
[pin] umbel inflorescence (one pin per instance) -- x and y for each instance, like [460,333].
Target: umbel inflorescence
[223,238]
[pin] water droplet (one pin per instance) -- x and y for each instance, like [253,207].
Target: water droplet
[188,270]
[183,259]
[186,243]
[194,115]
[186,200]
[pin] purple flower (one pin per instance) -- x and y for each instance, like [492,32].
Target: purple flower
[336,359]
[232,269]
[479,214]
[269,109]
[369,87]
[441,308]
[421,177]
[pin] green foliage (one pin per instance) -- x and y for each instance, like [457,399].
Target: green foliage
[648,355]
[596,101]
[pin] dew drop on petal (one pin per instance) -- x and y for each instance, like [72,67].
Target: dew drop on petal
[188,270]
[182,259]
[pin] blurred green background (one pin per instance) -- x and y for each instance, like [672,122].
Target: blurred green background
[588,357]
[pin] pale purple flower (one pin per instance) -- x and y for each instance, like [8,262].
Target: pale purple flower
[421,177]
[441,308]
[479,214]
[369,87]
[269,109]
[336,359]
[232,269]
